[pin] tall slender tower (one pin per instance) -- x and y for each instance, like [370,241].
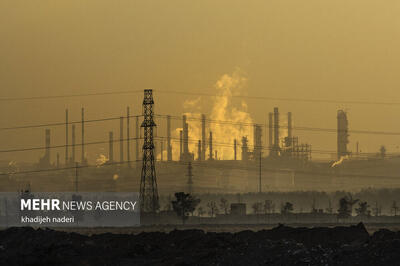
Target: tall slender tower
[83,137]
[73,160]
[148,183]
[203,137]
[137,138]
[128,145]
[271,133]
[342,133]
[276,131]
[121,139]
[66,137]
[169,147]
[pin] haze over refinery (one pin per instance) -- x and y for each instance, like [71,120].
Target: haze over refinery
[311,51]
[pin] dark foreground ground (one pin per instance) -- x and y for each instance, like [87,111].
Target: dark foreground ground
[282,245]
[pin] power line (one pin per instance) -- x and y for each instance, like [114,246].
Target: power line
[67,168]
[263,98]
[63,123]
[63,146]
[69,95]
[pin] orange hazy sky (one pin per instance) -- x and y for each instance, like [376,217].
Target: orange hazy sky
[338,50]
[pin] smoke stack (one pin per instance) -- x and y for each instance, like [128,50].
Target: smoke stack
[199,151]
[73,144]
[257,141]
[128,151]
[185,139]
[83,136]
[289,131]
[210,146]
[180,145]
[111,147]
[234,148]
[203,137]
[47,154]
[121,139]
[137,138]
[270,135]
[244,149]
[169,147]
[342,134]
[66,137]
[162,150]
[276,129]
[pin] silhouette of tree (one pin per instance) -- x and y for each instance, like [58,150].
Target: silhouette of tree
[362,209]
[287,208]
[346,206]
[184,204]
[224,205]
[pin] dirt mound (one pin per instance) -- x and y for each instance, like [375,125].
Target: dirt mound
[279,246]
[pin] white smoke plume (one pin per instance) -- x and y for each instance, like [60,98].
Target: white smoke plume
[223,109]
[102,159]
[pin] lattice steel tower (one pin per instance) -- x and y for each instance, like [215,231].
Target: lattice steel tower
[148,183]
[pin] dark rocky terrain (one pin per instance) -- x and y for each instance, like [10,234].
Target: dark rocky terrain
[281,245]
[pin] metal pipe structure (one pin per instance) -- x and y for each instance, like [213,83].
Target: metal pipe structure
[128,150]
[73,145]
[276,130]
[203,137]
[121,139]
[210,146]
[83,136]
[66,137]
[169,147]
[271,133]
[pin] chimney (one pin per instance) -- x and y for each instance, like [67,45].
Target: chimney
[180,145]
[66,137]
[185,139]
[162,150]
[73,144]
[47,154]
[270,135]
[210,146]
[121,139]
[169,147]
[128,155]
[137,138]
[276,129]
[203,137]
[199,151]
[111,147]
[83,137]
[234,148]
[289,131]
